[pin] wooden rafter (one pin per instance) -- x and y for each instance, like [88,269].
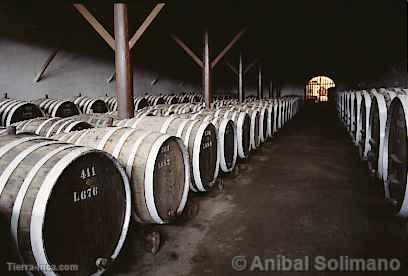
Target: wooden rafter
[148,21]
[251,65]
[87,15]
[188,50]
[44,67]
[232,67]
[246,70]
[227,48]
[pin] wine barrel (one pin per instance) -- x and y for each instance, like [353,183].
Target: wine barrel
[171,99]
[255,139]
[243,126]
[364,144]
[57,108]
[90,105]
[395,151]
[183,98]
[48,127]
[226,137]
[376,134]
[270,118]
[276,116]
[356,118]
[12,111]
[350,123]
[155,100]
[157,165]
[262,122]
[64,204]
[198,136]
[97,120]
[140,103]
[111,102]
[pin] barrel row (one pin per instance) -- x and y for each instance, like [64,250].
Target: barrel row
[152,101]
[57,107]
[47,127]
[13,110]
[377,123]
[156,164]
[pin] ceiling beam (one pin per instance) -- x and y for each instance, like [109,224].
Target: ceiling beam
[232,67]
[148,21]
[44,67]
[228,47]
[188,50]
[250,66]
[86,14]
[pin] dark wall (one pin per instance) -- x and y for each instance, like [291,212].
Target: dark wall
[356,43]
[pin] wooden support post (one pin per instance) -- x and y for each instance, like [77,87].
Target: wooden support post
[47,63]
[139,32]
[260,84]
[207,71]
[96,25]
[124,75]
[241,92]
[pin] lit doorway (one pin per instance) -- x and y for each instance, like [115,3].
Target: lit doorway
[317,89]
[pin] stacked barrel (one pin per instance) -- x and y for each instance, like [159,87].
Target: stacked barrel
[57,107]
[62,204]
[89,105]
[377,122]
[97,172]
[112,103]
[14,110]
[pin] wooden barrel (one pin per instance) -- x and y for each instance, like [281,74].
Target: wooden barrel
[64,204]
[255,139]
[263,124]
[111,102]
[376,134]
[356,118]
[199,137]
[90,105]
[155,100]
[395,151]
[350,123]
[97,120]
[57,108]
[171,99]
[263,120]
[183,98]
[364,143]
[140,103]
[276,116]
[12,111]
[157,165]
[270,118]
[243,126]
[227,139]
[48,127]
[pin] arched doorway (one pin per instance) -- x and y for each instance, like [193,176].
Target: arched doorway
[317,89]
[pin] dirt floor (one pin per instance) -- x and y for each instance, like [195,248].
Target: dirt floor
[304,194]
